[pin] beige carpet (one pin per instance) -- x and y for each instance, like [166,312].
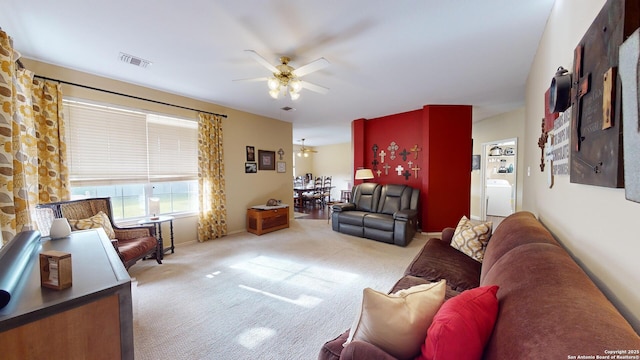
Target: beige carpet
[276,296]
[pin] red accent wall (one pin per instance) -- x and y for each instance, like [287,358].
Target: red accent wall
[450,147]
[442,167]
[357,139]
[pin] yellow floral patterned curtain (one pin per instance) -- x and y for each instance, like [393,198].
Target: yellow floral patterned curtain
[31,130]
[212,219]
[53,173]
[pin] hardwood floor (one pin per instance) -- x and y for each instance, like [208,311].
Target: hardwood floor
[317,212]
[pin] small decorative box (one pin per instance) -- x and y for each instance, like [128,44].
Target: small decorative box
[55,269]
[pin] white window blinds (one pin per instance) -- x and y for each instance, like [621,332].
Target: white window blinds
[173,148]
[109,145]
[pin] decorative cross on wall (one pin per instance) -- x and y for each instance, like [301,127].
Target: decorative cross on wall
[404,154]
[393,147]
[399,169]
[410,163]
[415,171]
[542,141]
[382,155]
[379,172]
[406,174]
[375,164]
[375,150]
[415,150]
[281,153]
[386,168]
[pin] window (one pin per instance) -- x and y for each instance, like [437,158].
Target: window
[130,155]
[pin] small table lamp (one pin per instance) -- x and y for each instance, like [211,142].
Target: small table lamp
[154,207]
[60,228]
[364,174]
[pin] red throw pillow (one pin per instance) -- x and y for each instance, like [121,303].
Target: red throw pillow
[462,326]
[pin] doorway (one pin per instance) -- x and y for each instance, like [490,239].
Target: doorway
[498,173]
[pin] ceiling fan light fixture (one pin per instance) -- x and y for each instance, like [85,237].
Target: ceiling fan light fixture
[304,152]
[296,85]
[273,83]
[285,78]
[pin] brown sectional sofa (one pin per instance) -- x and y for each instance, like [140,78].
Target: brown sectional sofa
[548,307]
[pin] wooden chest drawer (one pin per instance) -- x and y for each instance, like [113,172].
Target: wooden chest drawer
[264,221]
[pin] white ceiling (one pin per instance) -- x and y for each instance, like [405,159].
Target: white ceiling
[386,57]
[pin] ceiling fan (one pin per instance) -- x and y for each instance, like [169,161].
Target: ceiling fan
[305,151]
[286,79]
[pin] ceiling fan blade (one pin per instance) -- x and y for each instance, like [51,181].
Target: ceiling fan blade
[314,87]
[311,67]
[252,79]
[262,61]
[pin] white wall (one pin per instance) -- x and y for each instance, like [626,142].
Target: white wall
[504,126]
[303,164]
[335,161]
[596,224]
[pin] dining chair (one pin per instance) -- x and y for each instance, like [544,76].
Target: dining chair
[298,182]
[326,190]
[315,193]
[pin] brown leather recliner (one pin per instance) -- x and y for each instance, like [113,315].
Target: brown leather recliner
[131,243]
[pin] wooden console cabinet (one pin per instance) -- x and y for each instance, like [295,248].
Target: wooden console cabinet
[92,319]
[264,219]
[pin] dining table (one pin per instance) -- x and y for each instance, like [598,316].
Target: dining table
[300,190]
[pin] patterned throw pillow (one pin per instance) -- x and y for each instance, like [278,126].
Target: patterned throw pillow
[99,220]
[471,239]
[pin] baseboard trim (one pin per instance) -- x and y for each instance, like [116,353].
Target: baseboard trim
[429,235]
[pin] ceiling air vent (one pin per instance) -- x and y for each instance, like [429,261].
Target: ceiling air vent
[134,60]
[288,108]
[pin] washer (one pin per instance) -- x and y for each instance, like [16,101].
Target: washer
[498,197]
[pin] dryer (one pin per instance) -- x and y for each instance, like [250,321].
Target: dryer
[499,197]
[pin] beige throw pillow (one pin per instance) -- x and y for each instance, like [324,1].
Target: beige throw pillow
[99,220]
[471,238]
[398,323]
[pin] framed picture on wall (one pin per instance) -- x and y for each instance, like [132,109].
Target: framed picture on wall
[266,160]
[250,168]
[251,153]
[475,162]
[282,166]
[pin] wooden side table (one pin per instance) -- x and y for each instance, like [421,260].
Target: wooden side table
[157,222]
[263,219]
